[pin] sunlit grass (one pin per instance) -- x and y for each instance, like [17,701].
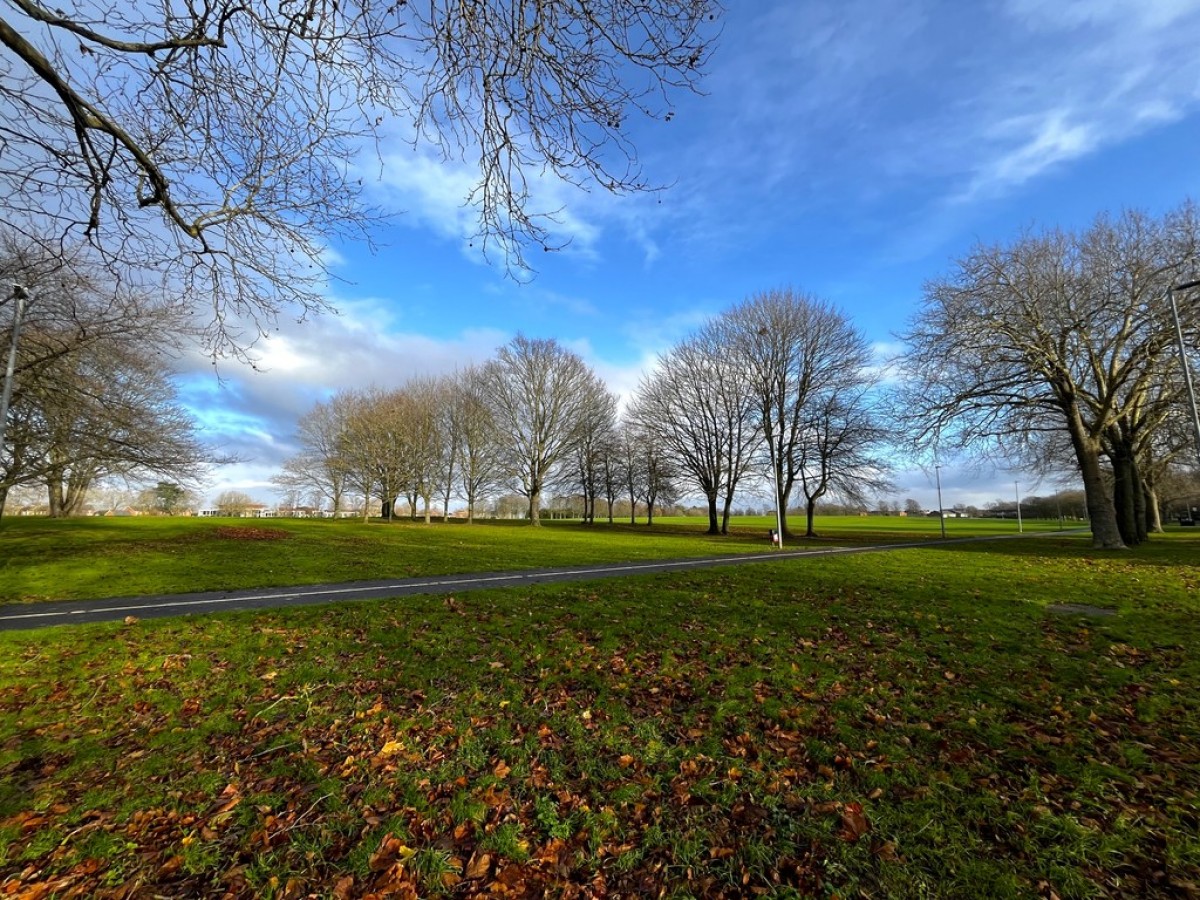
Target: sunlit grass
[911,724]
[43,559]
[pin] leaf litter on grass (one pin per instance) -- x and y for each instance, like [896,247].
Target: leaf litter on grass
[712,736]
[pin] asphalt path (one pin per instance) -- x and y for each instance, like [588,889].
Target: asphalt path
[16,617]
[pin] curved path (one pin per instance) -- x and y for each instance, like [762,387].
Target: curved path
[67,612]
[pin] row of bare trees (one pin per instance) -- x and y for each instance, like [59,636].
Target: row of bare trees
[780,385]
[778,389]
[91,391]
[531,418]
[1062,346]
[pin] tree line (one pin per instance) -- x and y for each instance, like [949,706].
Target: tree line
[1056,352]
[91,397]
[779,388]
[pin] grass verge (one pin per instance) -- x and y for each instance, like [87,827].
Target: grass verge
[913,724]
[76,559]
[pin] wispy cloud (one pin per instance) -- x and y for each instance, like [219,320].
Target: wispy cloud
[824,110]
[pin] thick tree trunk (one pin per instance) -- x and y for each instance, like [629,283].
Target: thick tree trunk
[428,500]
[810,513]
[714,524]
[54,498]
[1127,491]
[535,504]
[1153,509]
[3,498]
[725,513]
[1101,512]
[76,493]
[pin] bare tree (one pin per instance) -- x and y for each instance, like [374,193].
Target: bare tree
[478,451]
[596,435]
[318,469]
[422,442]
[839,453]
[698,405]
[1057,333]
[540,395]
[809,371]
[233,503]
[659,475]
[629,466]
[371,447]
[208,143]
[91,394]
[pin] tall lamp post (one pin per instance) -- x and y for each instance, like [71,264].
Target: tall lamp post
[937,474]
[778,500]
[21,297]
[1183,361]
[1017,491]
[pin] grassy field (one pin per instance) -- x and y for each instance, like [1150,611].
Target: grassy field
[44,559]
[911,724]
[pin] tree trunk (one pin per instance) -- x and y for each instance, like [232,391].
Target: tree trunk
[725,513]
[1100,509]
[810,513]
[1125,490]
[714,523]
[3,498]
[54,492]
[1153,509]
[1101,513]
[428,500]
[535,504]
[76,493]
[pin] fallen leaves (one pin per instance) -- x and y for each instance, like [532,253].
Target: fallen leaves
[554,759]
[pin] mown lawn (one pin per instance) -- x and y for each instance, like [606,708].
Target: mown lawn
[909,724]
[72,559]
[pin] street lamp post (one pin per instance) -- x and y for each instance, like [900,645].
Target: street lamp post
[1183,361]
[1017,491]
[21,298]
[937,474]
[778,500]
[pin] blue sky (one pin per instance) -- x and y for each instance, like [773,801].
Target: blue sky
[849,148]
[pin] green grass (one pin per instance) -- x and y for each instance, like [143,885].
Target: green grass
[912,724]
[72,559]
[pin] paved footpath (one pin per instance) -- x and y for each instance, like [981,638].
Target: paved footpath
[15,617]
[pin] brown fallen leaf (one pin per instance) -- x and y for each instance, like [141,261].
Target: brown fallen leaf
[854,822]
[479,866]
